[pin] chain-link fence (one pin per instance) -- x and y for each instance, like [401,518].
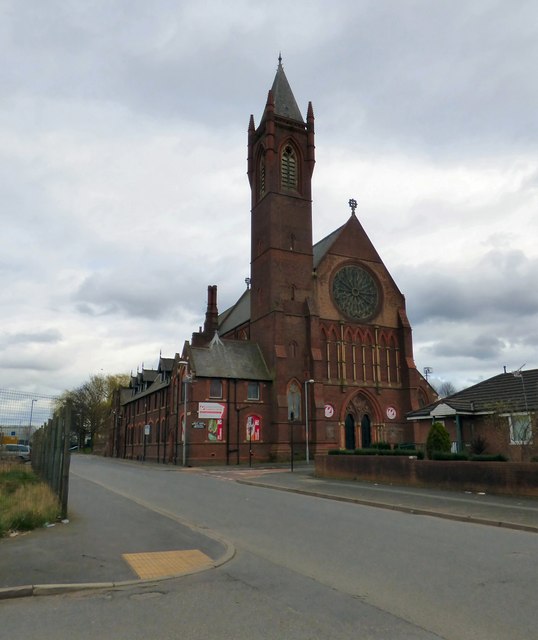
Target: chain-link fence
[35,420]
[21,413]
[51,454]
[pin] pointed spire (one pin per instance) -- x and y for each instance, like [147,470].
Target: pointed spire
[285,104]
[250,159]
[311,147]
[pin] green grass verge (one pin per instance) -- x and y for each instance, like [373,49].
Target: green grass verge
[25,502]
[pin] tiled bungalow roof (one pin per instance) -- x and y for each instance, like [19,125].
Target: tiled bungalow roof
[516,391]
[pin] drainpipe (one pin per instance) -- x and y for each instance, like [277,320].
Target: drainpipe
[459,438]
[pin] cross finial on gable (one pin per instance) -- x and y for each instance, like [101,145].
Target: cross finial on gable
[353,204]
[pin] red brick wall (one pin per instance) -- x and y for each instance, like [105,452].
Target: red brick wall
[512,478]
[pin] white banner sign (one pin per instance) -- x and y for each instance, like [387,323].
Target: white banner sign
[211,410]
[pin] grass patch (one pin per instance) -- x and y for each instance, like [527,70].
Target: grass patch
[25,502]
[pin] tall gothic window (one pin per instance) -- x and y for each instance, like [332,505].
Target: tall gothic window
[261,178]
[294,402]
[288,168]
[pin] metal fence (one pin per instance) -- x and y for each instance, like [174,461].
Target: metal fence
[51,455]
[21,413]
[29,418]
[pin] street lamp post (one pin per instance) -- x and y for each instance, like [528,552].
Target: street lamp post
[31,414]
[307,382]
[186,380]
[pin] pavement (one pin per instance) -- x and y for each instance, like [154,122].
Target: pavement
[107,542]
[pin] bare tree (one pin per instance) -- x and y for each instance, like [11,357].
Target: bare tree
[445,389]
[91,405]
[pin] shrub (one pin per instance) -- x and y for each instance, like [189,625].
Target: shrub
[497,457]
[406,445]
[339,452]
[478,445]
[381,445]
[389,452]
[438,440]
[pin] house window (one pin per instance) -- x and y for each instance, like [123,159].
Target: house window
[520,428]
[215,388]
[253,391]
[294,402]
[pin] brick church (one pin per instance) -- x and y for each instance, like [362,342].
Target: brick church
[316,353]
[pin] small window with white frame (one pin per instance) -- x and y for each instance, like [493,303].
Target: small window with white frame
[253,391]
[520,428]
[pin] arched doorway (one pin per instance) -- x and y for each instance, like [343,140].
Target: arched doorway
[358,422]
[350,432]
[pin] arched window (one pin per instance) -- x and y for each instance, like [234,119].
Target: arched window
[288,168]
[261,177]
[293,349]
[294,401]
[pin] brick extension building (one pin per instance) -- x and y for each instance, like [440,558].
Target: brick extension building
[500,412]
[318,342]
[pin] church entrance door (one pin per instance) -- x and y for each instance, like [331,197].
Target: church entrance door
[350,432]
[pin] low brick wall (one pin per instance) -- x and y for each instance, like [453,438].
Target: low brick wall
[508,478]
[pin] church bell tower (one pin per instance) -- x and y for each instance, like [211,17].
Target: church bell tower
[281,157]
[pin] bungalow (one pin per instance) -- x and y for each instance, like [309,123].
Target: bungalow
[498,415]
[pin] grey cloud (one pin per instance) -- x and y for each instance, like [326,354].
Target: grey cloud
[437,78]
[151,295]
[499,286]
[483,347]
[433,77]
[29,363]
[48,336]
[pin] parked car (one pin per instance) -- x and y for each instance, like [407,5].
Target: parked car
[20,451]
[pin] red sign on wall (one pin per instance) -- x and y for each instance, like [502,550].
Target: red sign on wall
[253,428]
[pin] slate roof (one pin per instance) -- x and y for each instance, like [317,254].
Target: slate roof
[323,246]
[157,384]
[235,315]
[235,359]
[285,104]
[518,391]
[166,364]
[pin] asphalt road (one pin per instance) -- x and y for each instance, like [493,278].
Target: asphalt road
[305,568]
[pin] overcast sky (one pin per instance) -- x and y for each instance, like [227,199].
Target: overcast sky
[123,181]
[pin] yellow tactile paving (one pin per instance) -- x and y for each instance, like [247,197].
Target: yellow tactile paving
[163,564]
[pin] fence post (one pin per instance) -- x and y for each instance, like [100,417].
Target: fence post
[64,485]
